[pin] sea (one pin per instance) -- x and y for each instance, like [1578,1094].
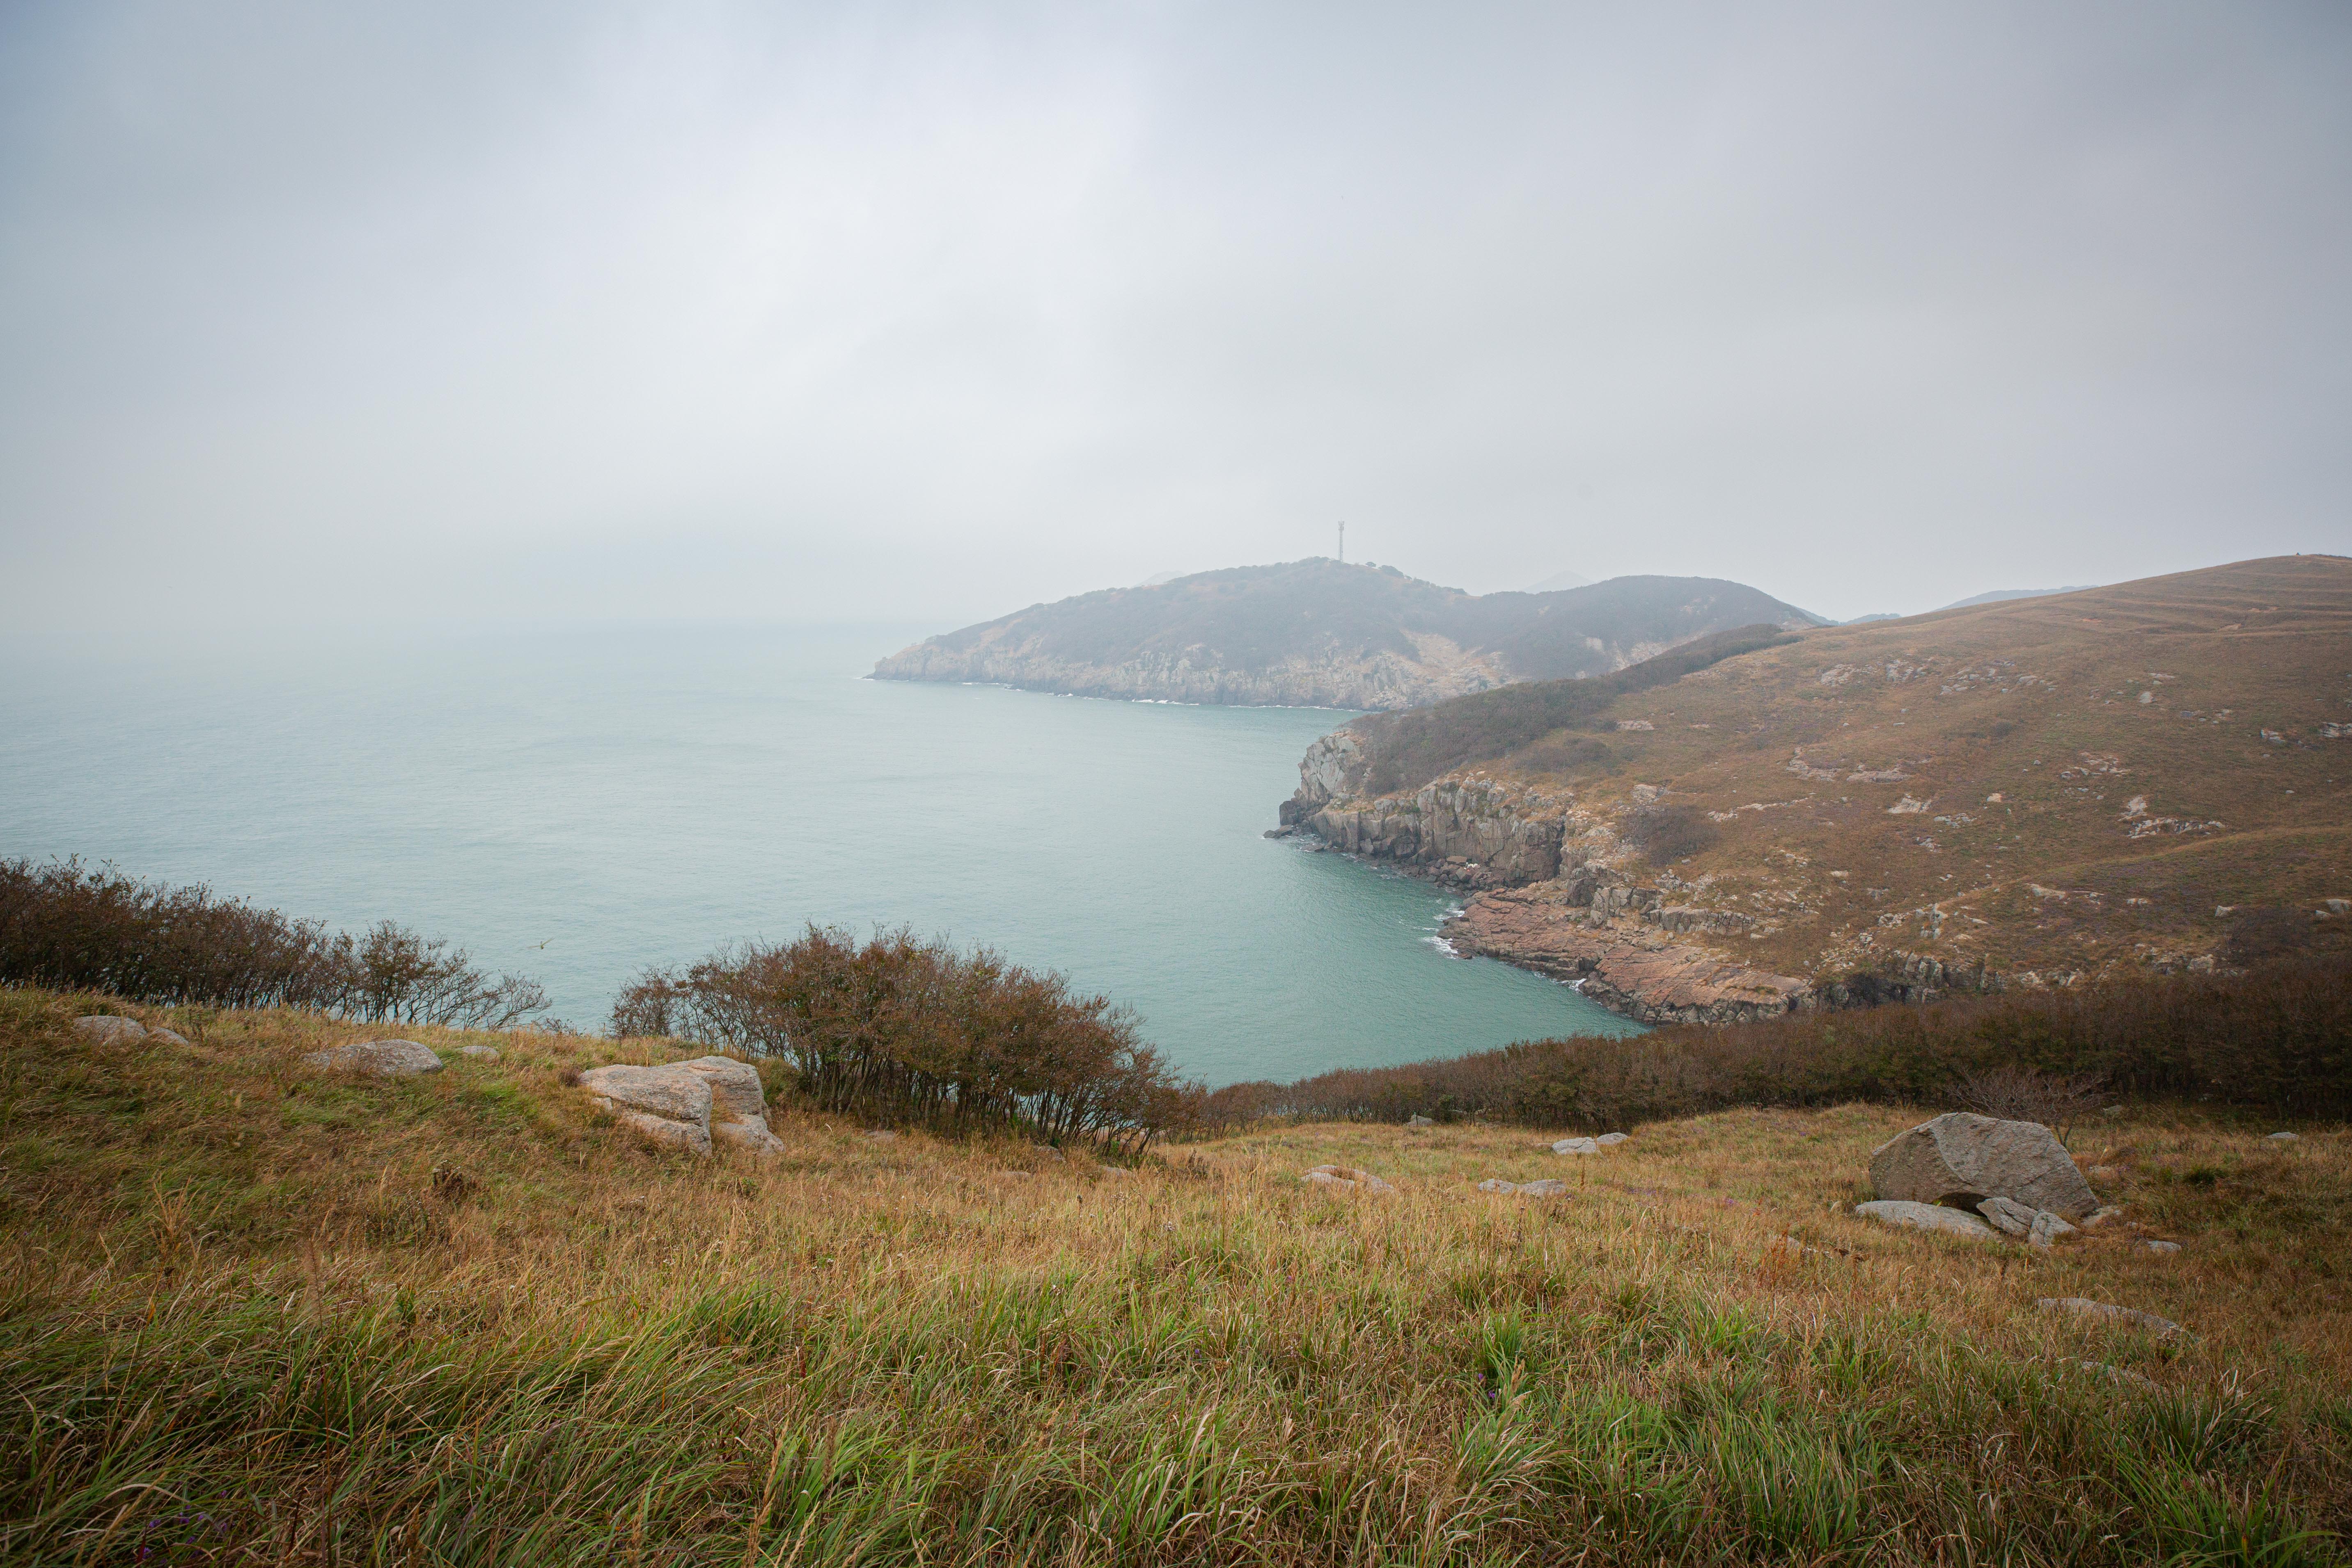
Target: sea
[579,806]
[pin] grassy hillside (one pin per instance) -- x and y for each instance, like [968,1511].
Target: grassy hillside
[250,1313]
[2061,785]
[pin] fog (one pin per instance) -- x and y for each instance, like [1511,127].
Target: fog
[497,314]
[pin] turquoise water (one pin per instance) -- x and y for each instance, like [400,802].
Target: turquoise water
[577,807]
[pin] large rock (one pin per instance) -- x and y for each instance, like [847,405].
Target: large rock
[1928,1217]
[379,1058]
[1960,1159]
[738,1105]
[106,1029]
[670,1105]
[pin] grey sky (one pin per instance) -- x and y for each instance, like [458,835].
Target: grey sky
[468,311]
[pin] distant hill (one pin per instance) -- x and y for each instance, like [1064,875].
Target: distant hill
[1558,580]
[2000,596]
[1318,633]
[2025,791]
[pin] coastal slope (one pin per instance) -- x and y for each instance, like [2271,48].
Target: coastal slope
[1318,633]
[2032,792]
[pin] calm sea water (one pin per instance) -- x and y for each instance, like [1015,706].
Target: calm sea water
[578,807]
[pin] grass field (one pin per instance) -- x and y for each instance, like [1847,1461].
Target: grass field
[251,1314]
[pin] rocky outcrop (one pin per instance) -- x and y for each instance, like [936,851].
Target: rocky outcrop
[1474,833]
[688,1105]
[1961,1159]
[379,1058]
[1626,967]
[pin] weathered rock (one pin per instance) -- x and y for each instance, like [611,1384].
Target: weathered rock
[880,1135]
[1639,973]
[2130,1317]
[752,1135]
[2102,1214]
[1928,1217]
[2283,1138]
[107,1029]
[381,1059]
[735,1091]
[1347,1179]
[2009,1216]
[670,1105]
[1419,1122]
[1962,1159]
[1546,1188]
[2154,1246]
[2047,1228]
[1577,1146]
[1610,1140]
[479,1053]
[171,1037]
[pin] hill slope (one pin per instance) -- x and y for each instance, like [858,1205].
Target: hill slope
[1317,632]
[257,1313]
[2022,791]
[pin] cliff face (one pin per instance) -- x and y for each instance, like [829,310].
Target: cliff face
[2036,792]
[1320,634]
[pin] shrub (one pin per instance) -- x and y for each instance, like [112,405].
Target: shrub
[1670,833]
[898,1029]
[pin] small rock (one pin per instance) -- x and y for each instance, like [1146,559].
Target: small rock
[2083,1307]
[381,1059]
[105,1028]
[1610,1140]
[2284,1138]
[1546,1188]
[171,1037]
[881,1135]
[2154,1246]
[1347,1178]
[1928,1217]
[752,1135]
[1419,1122]
[2102,1216]
[1577,1146]
[2009,1216]
[2047,1228]
[479,1053]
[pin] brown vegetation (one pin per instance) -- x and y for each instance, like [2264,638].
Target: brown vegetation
[2278,1038]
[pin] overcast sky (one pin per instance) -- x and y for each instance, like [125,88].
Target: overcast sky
[477,311]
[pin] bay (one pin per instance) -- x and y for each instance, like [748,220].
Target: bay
[579,806]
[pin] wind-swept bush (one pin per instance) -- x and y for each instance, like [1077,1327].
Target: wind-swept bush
[70,927]
[901,1029]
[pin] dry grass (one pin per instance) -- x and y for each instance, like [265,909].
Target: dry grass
[254,1315]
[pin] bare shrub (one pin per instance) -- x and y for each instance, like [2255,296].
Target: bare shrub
[2016,1093]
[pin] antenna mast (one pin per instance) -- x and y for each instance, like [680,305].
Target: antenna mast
[1343,544]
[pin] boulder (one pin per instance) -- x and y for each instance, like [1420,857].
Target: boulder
[380,1059]
[1347,1179]
[738,1106]
[107,1029]
[1577,1146]
[1960,1159]
[479,1053]
[1610,1140]
[1928,1217]
[2083,1307]
[670,1105]
[1546,1188]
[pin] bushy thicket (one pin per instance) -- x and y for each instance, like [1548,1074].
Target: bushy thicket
[2277,1038]
[897,1028]
[73,928]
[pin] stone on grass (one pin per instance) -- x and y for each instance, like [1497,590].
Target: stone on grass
[880,1135]
[1419,1122]
[1962,1159]
[1577,1146]
[380,1059]
[2130,1317]
[2283,1138]
[171,1037]
[1928,1217]
[670,1105]
[1610,1140]
[2009,1216]
[1546,1188]
[479,1053]
[2154,1246]
[2102,1214]
[105,1028]
[1347,1179]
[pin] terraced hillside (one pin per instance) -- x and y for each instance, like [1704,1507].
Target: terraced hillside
[2156,773]
[1317,632]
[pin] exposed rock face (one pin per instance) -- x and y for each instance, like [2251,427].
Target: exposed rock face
[380,1059]
[1928,1217]
[1481,833]
[1629,970]
[1962,1159]
[107,1029]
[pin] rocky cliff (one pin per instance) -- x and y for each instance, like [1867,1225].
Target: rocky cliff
[1320,634]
